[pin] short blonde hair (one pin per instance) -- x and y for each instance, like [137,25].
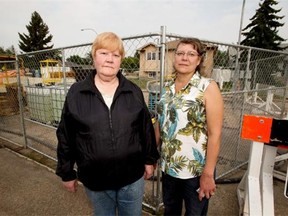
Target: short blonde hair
[110,41]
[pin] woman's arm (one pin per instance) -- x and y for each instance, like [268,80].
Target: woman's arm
[214,116]
[65,153]
[157,133]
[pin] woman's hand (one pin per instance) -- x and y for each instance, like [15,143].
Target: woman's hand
[149,169]
[207,186]
[71,186]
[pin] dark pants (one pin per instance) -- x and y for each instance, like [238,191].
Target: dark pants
[176,190]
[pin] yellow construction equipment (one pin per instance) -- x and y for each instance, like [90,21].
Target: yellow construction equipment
[50,71]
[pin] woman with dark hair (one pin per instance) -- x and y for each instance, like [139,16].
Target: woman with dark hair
[190,116]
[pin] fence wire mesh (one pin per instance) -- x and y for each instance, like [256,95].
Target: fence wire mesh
[252,81]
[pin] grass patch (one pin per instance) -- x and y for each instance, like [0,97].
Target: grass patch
[142,83]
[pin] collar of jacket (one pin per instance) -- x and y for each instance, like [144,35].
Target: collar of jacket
[88,84]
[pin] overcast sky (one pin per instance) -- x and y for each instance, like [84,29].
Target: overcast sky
[214,20]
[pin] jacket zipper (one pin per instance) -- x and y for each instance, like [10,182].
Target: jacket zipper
[111,127]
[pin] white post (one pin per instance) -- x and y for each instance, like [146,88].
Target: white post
[286,185]
[253,202]
[255,94]
[269,100]
[268,162]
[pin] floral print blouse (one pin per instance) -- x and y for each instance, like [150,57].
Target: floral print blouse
[182,120]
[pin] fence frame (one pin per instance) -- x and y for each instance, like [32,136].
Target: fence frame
[236,99]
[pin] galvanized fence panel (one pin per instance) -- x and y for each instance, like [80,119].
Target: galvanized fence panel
[11,95]
[252,81]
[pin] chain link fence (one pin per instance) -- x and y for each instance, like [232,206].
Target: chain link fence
[34,85]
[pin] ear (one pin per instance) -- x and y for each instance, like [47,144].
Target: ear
[199,60]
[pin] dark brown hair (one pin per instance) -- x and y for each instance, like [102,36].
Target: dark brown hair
[197,45]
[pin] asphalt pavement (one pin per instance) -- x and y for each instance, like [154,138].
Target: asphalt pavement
[31,187]
[28,187]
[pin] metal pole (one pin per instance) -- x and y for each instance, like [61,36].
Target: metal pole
[162,56]
[162,68]
[20,100]
[241,22]
[64,72]
[237,67]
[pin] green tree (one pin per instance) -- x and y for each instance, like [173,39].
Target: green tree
[79,60]
[38,35]
[88,58]
[221,59]
[130,64]
[8,51]
[262,32]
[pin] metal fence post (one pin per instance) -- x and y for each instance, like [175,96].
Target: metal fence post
[20,99]
[162,72]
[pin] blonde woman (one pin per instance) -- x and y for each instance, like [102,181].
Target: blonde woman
[107,130]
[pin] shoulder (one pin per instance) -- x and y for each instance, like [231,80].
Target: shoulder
[204,82]
[79,88]
[213,92]
[134,86]
[75,87]
[129,85]
[213,86]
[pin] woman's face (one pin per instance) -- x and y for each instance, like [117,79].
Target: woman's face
[106,62]
[186,59]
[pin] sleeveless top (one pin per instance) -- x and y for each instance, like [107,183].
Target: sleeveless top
[182,120]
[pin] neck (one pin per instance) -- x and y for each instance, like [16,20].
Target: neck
[105,79]
[106,85]
[182,80]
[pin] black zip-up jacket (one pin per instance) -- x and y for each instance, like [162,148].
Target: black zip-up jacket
[110,147]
